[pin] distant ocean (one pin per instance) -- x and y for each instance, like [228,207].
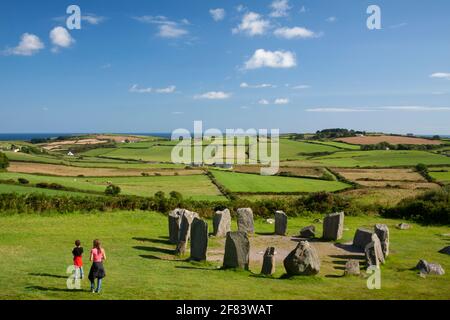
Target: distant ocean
[167,135]
[30,136]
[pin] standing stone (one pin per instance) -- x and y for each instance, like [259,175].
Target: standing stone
[268,267]
[174,225]
[430,268]
[382,231]
[185,230]
[373,252]
[362,238]
[352,268]
[199,239]
[445,250]
[237,250]
[404,226]
[308,232]
[245,220]
[303,260]
[222,223]
[333,226]
[280,223]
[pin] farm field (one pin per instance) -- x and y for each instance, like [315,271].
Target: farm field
[252,183]
[383,158]
[390,139]
[387,197]
[10,188]
[60,170]
[141,264]
[443,177]
[198,187]
[339,145]
[290,149]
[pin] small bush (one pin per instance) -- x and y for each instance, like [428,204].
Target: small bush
[4,162]
[23,181]
[112,190]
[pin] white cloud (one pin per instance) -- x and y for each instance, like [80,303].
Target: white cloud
[337,110]
[170,89]
[331,19]
[302,87]
[245,85]
[281,101]
[166,27]
[213,95]
[295,33]
[29,45]
[217,14]
[264,102]
[380,109]
[135,89]
[271,59]
[177,112]
[303,9]
[252,24]
[416,108]
[280,8]
[170,31]
[61,38]
[92,19]
[440,75]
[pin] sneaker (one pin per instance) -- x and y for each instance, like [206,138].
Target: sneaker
[93,291]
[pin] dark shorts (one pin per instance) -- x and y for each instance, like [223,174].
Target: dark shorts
[97,271]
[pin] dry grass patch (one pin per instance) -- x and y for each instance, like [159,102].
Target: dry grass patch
[69,171]
[358,175]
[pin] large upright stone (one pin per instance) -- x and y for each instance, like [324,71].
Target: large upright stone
[237,250]
[268,267]
[333,226]
[382,231]
[362,238]
[303,260]
[185,230]
[245,220]
[281,221]
[199,239]
[174,225]
[373,252]
[222,223]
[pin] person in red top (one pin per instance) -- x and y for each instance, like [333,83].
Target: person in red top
[78,259]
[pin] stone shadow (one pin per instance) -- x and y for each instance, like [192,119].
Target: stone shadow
[159,241]
[48,275]
[155,249]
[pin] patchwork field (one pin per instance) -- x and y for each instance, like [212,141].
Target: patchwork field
[377,158]
[196,186]
[60,170]
[141,264]
[252,183]
[390,139]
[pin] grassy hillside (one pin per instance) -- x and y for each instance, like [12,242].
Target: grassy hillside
[36,250]
[253,183]
[197,187]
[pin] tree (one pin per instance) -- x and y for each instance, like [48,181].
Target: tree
[175,195]
[112,190]
[4,162]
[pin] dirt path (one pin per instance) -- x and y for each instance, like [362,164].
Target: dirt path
[332,256]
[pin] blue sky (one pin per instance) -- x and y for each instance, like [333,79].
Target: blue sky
[154,66]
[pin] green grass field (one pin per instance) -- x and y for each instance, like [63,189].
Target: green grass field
[377,158]
[253,183]
[340,145]
[36,251]
[198,187]
[443,177]
[290,149]
[8,188]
